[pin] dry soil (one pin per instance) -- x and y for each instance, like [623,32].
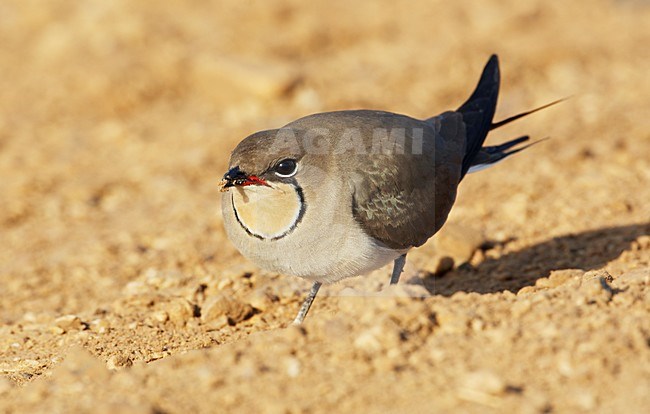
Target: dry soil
[121,293]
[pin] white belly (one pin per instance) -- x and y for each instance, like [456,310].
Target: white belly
[327,245]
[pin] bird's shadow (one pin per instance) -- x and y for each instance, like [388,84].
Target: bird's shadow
[513,271]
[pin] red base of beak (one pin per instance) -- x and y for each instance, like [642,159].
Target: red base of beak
[254,180]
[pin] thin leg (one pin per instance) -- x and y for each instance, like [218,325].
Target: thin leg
[398,267]
[307,303]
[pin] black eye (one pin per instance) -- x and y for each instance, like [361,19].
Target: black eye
[286,168]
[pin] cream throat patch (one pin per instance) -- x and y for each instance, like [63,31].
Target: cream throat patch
[268,213]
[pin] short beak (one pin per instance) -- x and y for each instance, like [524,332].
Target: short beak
[236,177]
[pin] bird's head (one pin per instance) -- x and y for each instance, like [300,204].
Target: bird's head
[264,184]
[261,160]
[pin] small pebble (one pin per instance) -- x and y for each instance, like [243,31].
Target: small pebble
[293,367]
[216,324]
[485,382]
[559,277]
[180,310]
[160,316]
[595,290]
[368,341]
[261,299]
[69,322]
[233,309]
[100,326]
[483,387]
[224,283]
[56,330]
[118,361]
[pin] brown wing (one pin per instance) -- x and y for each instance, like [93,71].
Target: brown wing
[401,200]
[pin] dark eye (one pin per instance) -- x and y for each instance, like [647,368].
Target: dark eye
[286,168]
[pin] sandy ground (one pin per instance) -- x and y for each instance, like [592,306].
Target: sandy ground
[121,293]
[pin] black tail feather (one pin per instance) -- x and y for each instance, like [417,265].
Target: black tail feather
[505,146]
[523,114]
[491,155]
[478,114]
[478,111]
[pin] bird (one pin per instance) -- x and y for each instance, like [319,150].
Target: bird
[339,194]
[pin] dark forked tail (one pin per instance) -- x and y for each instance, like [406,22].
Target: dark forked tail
[478,111]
